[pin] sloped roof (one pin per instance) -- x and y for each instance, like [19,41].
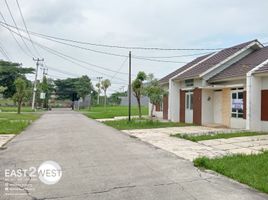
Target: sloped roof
[166,78]
[212,61]
[244,65]
[263,69]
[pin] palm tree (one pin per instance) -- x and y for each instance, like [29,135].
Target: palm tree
[104,86]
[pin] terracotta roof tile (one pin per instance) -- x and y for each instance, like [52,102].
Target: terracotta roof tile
[264,68]
[212,61]
[244,65]
[166,78]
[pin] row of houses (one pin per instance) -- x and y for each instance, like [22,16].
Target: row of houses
[228,87]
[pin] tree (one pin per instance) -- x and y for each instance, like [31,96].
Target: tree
[66,89]
[115,97]
[46,87]
[2,89]
[83,86]
[154,91]
[21,92]
[138,89]
[9,72]
[104,86]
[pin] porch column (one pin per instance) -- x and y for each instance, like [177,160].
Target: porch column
[197,106]
[165,107]
[182,106]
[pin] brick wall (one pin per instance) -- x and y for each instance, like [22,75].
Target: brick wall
[197,106]
[264,105]
[165,107]
[182,106]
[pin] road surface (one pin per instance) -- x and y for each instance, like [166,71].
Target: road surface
[99,162]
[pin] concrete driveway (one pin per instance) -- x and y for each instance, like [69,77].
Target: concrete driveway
[99,162]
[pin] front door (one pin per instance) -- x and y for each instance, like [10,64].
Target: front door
[217,107]
[189,107]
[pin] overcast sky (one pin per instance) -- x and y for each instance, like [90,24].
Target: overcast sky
[148,23]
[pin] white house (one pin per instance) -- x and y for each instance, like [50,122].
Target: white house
[228,87]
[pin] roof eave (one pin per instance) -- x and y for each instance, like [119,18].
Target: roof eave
[255,42]
[227,79]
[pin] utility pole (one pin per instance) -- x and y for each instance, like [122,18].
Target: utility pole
[35,80]
[129,88]
[43,94]
[99,78]
[45,71]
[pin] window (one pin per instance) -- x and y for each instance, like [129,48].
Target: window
[237,103]
[189,101]
[189,82]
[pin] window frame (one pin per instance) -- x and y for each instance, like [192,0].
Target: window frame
[237,114]
[189,82]
[189,100]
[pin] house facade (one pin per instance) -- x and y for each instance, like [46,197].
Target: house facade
[228,88]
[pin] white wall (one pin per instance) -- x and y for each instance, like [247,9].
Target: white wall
[174,101]
[207,106]
[254,86]
[158,114]
[265,83]
[238,123]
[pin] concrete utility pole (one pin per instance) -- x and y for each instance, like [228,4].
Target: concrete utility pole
[129,88]
[99,78]
[35,80]
[45,70]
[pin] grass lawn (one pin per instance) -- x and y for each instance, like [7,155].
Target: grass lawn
[99,112]
[14,109]
[217,136]
[247,169]
[12,123]
[141,124]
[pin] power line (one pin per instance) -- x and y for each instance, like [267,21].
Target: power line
[93,50]
[15,37]
[103,52]
[129,47]
[3,51]
[121,66]
[124,47]
[24,23]
[69,58]
[177,56]
[156,60]
[17,28]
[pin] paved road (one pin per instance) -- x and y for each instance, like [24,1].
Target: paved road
[99,162]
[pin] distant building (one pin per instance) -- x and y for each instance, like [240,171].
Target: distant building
[144,101]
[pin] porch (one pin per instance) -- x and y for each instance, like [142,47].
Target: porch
[218,106]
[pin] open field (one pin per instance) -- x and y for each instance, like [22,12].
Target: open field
[141,124]
[197,138]
[100,112]
[247,169]
[14,109]
[12,123]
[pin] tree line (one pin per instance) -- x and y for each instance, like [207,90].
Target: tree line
[14,84]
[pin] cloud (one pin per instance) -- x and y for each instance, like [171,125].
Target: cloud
[170,23]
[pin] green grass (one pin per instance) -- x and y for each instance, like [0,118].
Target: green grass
[14,109]
[99,112]
[247,169]
[12,123]
[217,136]
[141,124]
